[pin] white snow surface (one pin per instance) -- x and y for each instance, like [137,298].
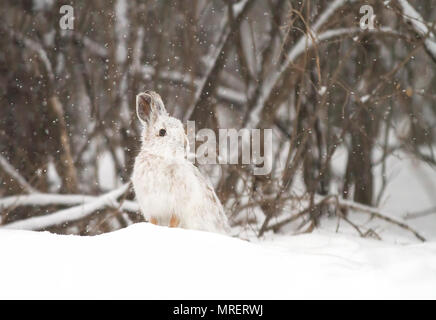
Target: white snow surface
[144,261]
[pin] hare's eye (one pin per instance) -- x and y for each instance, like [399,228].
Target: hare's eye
[162,132]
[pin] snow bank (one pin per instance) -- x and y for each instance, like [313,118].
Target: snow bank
[150,262]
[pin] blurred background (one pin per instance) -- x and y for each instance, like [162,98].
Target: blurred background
[352,109]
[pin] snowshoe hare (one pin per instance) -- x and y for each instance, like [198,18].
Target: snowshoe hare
[170,190]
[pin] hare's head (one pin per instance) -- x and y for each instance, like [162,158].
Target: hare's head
[161,135]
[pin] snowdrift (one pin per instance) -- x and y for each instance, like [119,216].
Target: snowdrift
[144,261]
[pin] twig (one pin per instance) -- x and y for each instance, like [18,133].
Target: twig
[419,26]
[294,217]
[419,214]
[379,214]
[342,203]
[213,59]
[10,170]
[301,46]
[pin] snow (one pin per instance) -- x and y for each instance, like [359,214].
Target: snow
[150,262]
[322,90]
[414,17]
[365,98]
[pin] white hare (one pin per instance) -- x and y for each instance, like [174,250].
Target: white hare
[170,190]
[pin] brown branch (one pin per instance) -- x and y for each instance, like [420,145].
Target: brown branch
[65,161]
[12,172]
[217,57]
[377,213]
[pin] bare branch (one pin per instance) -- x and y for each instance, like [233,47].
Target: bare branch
[47,199]
[11,171]
[419,26]
[379,214]
[420,214]
[70,214]
[212,60]
[343,203]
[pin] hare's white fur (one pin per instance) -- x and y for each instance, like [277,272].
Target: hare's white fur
[165,182]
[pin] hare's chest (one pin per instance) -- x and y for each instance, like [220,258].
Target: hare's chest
[161,188]
[160,177]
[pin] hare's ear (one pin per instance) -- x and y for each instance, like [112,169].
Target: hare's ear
[143,107]
[149,106]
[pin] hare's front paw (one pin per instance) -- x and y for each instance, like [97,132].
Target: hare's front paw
[174,221]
